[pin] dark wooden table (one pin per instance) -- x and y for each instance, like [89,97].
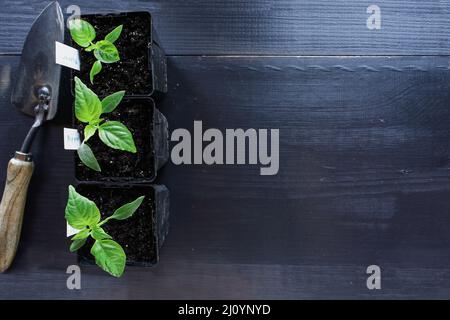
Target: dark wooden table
[364,178]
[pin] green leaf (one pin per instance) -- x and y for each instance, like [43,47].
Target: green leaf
[82,32]
[127,210]
[106,52]
[80,211]
[83,234]
[77,244]
[89,131]
[110,102]
[96,121]
[115,135]
[87,157]
[96,68]
[99,234]
[114,35]
[109,256]
[87,105]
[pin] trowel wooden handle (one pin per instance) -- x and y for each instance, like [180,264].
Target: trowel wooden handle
[20,169]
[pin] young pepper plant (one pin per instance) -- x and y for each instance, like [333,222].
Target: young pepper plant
[83,33]
[82,214]
[89,109]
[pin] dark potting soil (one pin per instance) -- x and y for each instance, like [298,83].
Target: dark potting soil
[134,234]
[137,116]
[132,73]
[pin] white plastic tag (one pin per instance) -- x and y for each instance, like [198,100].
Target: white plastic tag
[67,56]
[71,231]
[71,139]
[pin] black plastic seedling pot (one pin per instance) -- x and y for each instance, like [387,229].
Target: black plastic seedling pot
[141,235]
[150,133]
[142,74]
[142,69]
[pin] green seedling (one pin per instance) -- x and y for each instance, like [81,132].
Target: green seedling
[83,33]
[89,109]
[83,214]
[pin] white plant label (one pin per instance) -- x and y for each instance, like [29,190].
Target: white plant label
[67,56]
[71,139]
[71,231]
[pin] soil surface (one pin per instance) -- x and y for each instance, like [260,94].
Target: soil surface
[132,73]
[134,234]
[137,116]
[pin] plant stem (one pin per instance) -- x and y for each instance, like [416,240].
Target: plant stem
[103,222]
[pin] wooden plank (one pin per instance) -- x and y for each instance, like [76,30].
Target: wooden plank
[364,179]
[200,27]
[186,279]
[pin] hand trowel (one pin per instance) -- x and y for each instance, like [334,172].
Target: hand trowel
[36,95]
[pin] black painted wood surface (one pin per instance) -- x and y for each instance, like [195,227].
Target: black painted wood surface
[364,179]
[364,150]
[286,27]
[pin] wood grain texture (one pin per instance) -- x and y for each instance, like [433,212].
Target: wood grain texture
[286,27]
[364,179]
[18,176]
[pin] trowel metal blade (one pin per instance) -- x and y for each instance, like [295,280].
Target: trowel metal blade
[37,64]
